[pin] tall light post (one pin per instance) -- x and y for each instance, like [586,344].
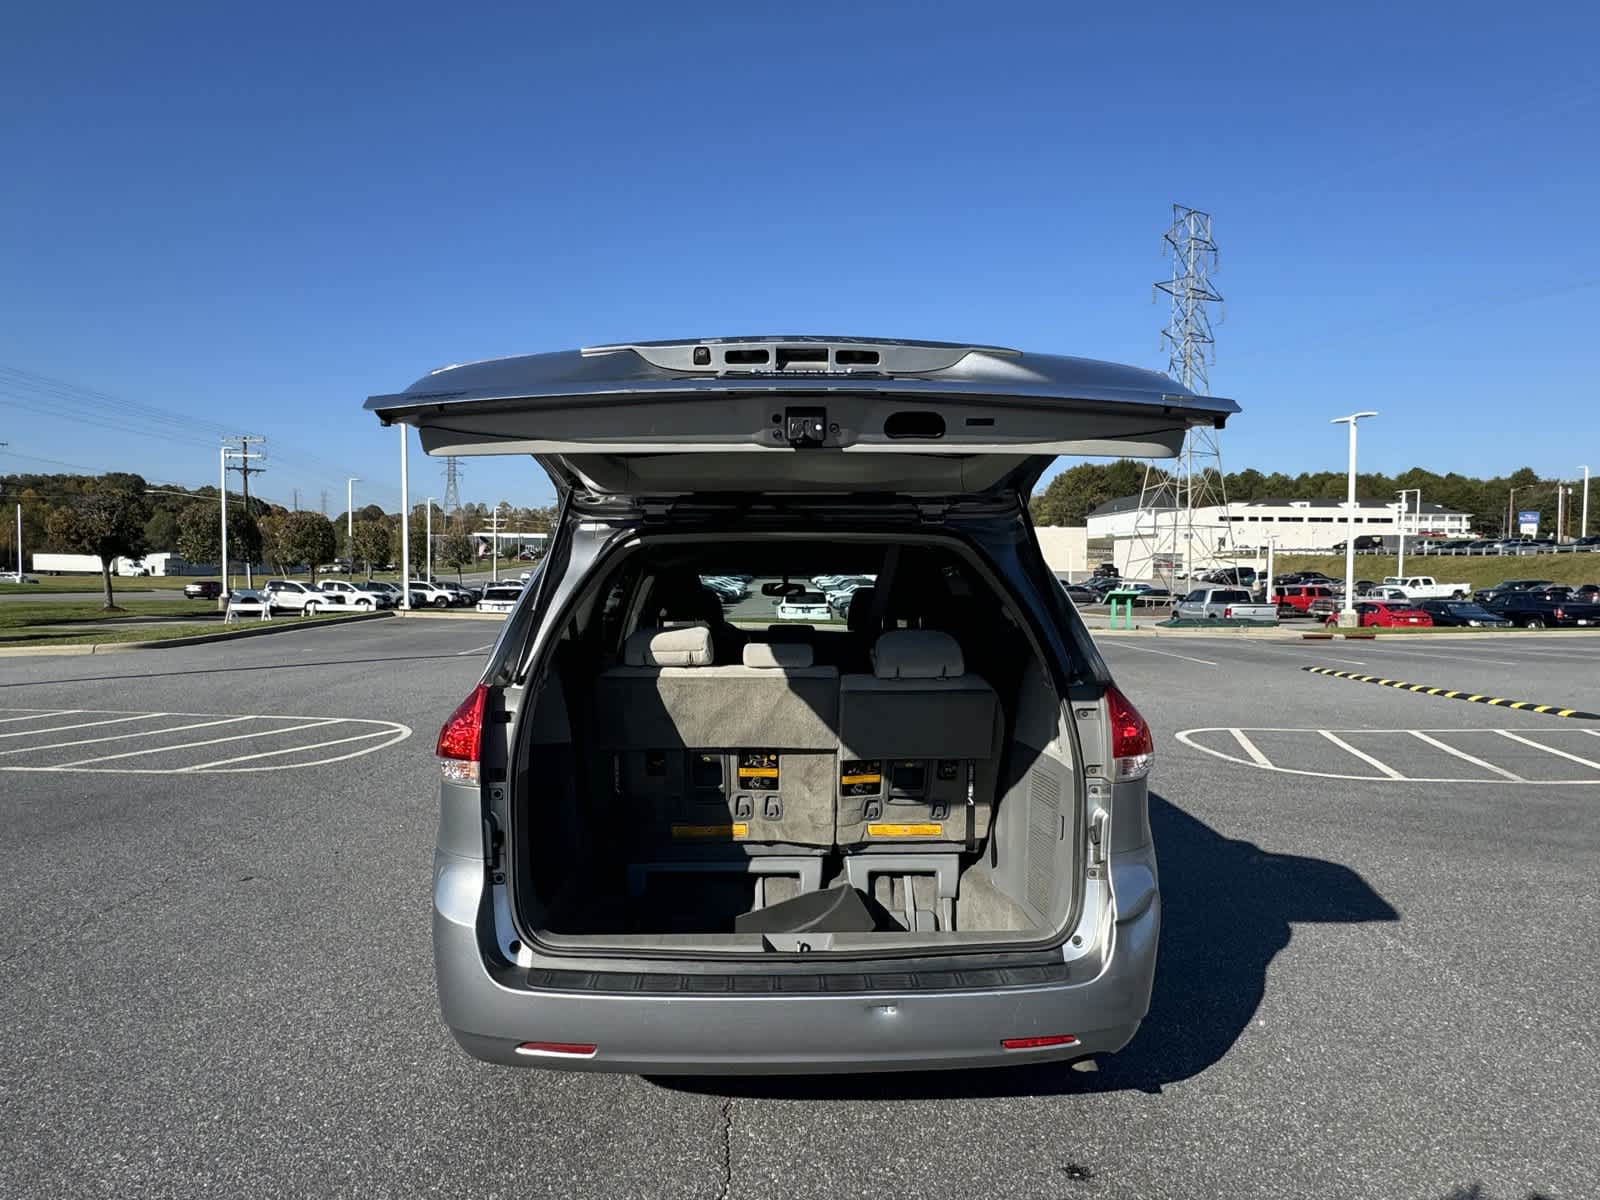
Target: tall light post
[429,575]
[1347,618]
[350,519]
[1511,512]
[405,517]
[1583,523]
[1400,568]
[222,458]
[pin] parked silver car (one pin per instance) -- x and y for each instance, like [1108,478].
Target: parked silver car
[674,842]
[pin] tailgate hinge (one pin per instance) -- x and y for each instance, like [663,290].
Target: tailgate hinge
[931,513]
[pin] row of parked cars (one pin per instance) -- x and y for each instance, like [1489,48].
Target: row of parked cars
[331,595]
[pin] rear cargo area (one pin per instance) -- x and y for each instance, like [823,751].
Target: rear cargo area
[700,773]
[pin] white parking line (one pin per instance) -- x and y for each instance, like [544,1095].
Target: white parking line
[223,762]
[1506,733]
[1148,650]
[476,649]
[117,737]
[39,714]
[80,725]
[1361,754]
[1464,756]
[376,735]
[1219,741]
[238,737]
[1249,748]
[1445,654]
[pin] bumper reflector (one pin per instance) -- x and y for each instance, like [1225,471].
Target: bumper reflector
[558,1049]
[1039,1043]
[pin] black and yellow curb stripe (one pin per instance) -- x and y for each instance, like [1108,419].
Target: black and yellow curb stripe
[1549,710]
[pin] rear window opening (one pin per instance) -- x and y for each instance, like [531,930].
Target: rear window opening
[790,746]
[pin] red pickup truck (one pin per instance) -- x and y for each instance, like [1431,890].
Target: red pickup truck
[1297,597]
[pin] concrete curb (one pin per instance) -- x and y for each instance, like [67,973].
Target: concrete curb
[262,630]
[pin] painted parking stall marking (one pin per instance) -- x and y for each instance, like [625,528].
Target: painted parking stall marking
[1542,758]
[172,743]
[1549,710]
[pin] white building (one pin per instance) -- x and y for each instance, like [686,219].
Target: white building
[1222,534]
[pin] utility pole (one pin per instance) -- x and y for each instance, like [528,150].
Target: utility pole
[222,490]
[1583,523]
[245,458]
[494,570]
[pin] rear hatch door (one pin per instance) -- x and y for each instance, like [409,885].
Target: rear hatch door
[802,415]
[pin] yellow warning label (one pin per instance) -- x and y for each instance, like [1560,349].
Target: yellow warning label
[912,829]
[847,780]
[758,772]
[738,829]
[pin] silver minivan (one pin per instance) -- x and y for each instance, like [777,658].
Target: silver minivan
[681,833]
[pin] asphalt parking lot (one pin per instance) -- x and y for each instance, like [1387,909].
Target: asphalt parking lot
[1378,974]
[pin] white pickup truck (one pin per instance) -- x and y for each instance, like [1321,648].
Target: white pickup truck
[1426,587]
[1223,604]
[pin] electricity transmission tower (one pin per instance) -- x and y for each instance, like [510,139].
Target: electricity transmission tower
[452,489]
[1168,525]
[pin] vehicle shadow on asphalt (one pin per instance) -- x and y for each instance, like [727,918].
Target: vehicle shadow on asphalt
[1228,908]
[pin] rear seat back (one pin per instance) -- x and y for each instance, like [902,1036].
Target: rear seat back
[919,747]
[708,755]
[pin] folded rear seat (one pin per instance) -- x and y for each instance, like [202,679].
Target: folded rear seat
[709,762]
[918,761]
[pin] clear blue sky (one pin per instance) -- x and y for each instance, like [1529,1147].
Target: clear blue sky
[258,215]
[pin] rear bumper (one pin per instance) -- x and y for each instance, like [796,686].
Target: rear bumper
[775,1033]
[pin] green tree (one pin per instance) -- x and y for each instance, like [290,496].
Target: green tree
[199,530]
[161,531]
[107,520]
[1072,495]
[457,553]
[307,537]
[371,544]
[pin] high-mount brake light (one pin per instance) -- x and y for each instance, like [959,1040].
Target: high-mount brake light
[1133,749]
[460,744]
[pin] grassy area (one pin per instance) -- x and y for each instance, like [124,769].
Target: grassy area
[92,583]
[105,634]
[20,614]
[1477,572]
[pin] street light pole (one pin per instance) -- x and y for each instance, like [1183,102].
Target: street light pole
[222,458]
[350,520]
[1583,524]
[1347,618]
[430,540]
[405,518]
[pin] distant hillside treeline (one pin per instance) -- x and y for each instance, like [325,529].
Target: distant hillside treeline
[1071,495]
[164,505]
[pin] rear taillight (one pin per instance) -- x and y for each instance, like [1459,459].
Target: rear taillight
[1132,748]
[1039,1043]
[1227,613]
[558,1049]
[461,739]
[1559,614]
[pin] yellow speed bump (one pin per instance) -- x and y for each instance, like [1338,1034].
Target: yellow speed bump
[1549,710]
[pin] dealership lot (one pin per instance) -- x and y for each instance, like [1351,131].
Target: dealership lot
[1377,973]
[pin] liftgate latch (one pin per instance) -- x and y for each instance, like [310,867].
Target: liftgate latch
[805,426]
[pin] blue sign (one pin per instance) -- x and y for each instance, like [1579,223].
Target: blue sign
[1528,520]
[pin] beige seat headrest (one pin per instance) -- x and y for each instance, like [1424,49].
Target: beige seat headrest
[683,646]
